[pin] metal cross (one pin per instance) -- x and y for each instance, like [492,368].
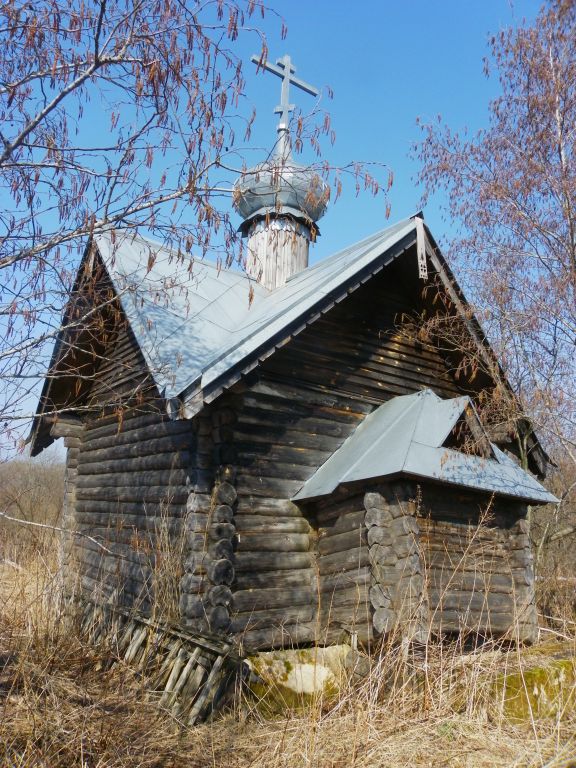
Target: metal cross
[285,70]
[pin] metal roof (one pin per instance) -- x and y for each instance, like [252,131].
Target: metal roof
[406,436]
[195,324]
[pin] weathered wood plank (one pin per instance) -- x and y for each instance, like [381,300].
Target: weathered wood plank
[167,478]
[344,561]
[148,447]
[180,460]
[272,542]
[301,577]
[144,509]
[155,494]
[261,523]
[260,599]
[341,542]
[271,561]
[270,616]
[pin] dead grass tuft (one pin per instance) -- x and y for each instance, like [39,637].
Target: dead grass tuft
[62,706]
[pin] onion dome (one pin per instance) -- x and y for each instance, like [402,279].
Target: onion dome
[280,200]
[280,188]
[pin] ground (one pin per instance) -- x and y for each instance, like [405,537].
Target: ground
[62,707]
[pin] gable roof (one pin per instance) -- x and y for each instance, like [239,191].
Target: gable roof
[406,436]
[199,331]
[200,328]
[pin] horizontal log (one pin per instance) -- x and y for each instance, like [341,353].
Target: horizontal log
[147,447]
[260,523]
[121,556]
[278,435]
[154,494]
[379,349]
[346,615]
[180,460]
[271,617]
[145,509]
[345,579]
[271,561]
[273,542]
[350,598]
[473,601]
[147,538]
[267,487]
[302,577]
[119,571]
[249,453]
[155,432]
[469,581]
[144,416]
[344,521]
[294,391]
[121,551]
[278,636]
[127,593]
[364,382]
[263,599]
[266,507]
[336,635]
[168,478]
[453,621]
[343,561]
[255,416]
[92,589]
[329,542]
[278,397]
[273,470]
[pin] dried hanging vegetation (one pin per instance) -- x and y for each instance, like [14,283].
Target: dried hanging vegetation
[511,191]
[117,114]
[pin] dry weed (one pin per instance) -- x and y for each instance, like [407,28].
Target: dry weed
[62,706]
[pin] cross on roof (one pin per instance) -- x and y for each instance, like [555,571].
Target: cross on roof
[285,70]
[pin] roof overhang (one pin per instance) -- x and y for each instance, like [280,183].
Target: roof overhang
[406,437]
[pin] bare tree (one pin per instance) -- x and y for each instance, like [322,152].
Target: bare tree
[511,188]
[114,113]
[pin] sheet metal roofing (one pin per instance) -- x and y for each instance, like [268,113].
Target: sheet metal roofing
[196,326]
[406,436]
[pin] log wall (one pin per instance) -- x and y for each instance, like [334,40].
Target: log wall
[344,611]
[129,476]
[397,575]
[301,574]
[199,514]
[131,490]
[478,564]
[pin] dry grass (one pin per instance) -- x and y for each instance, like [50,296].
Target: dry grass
[62,706]
[61,709]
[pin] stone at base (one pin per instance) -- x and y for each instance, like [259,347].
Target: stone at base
[294,679]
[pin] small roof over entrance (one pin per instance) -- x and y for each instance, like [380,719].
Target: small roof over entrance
[415,435]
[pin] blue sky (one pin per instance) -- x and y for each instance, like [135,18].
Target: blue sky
[388,63]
